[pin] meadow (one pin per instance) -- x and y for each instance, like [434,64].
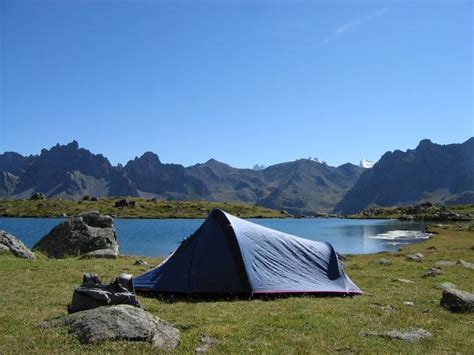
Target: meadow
[33,291]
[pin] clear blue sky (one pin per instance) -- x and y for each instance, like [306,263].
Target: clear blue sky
[243,82]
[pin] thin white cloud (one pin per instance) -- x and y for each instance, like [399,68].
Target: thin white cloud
[354,23]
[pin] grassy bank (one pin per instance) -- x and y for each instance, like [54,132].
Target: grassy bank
[33,291]
[419,212]
[143,209]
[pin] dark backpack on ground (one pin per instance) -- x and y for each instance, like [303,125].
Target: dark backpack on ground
[92,293]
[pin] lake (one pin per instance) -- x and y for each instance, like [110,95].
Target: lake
[159,237]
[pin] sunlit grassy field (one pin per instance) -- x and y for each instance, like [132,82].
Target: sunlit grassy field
[145,208]
[32,291]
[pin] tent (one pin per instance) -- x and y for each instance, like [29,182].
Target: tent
[228,255]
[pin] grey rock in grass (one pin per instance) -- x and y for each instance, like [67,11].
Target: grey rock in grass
[100,254]
[432,272]
[445,285]
[465,264]
[405,281]
[115,323]
[406,335]
[457,301]
[15,246]
[205,343]
[383,262]
[442,263]
[80,235]
[408,304]
[141,263]
[418,257]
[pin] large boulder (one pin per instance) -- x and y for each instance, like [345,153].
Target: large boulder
[9,243]
[88,232]
[115,323]
[457,301]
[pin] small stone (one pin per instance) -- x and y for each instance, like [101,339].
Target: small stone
[405,281]
[446,285]
[141,263]
[465,264]
[383,262]
[385,308]
[407,335]
[418,257]
[408,304]
[457,301]
[431,272]
[442,263]
[205,343]
[432,248]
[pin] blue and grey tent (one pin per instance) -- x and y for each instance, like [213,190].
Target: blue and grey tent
[228,255]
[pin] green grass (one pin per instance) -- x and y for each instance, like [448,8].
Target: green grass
[143,209]
[465,212]
[32,291]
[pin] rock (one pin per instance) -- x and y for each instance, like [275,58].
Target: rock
[408,304]
[88,232]
[431,272]
[445,285]
[442,263]
[405,281]
[407,335]
[383,307]
[432,248]
[100,254]
[86,198]
[457,301]
[95,199]
[418,257]
[38,196]
[465,264]
[15,246]
[4,249]
[342,257]
[115,323]
[141,263]
[205,343]
[124,203]
[383,262]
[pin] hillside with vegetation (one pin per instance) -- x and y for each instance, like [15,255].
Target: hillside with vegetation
[130,208]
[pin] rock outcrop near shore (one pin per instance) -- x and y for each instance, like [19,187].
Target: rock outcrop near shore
[81,235]
[15,246]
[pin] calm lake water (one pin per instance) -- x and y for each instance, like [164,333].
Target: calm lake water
[159,237]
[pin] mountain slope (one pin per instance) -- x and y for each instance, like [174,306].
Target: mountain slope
[68,171]
[439,173]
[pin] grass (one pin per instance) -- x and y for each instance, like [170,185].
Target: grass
[465,212]
[144,208]
[33,291]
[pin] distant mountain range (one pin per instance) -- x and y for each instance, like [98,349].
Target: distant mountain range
[431,171]
[67,171]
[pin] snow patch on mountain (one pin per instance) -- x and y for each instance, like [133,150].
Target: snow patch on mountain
[258,167]
[366,164]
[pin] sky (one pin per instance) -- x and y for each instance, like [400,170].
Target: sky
[244,82]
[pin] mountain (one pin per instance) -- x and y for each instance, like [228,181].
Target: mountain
[431,172]
[67,171]
[366,164]
[259,167]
